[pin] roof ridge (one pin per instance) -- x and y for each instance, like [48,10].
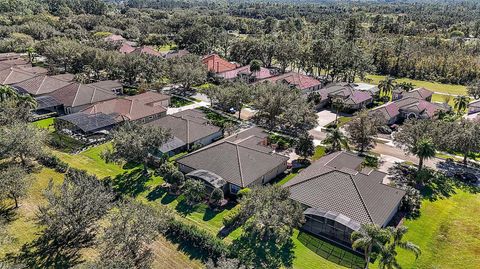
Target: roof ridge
[314,177]
[361,199]
[239,165]
[76,94]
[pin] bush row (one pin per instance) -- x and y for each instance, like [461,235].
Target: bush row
[232,217]
[53,162]
[211,246]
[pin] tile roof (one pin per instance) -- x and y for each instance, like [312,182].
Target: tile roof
[146,50]
[126,48]
[184,129]
[114,38]
[231,74]
[65,77]
[109,85]
[175,54]
[14,75]
[338,183]
[131,107]
[217,64]
[40,85]
[475,103]
[75,94]
[419,93]
[238,164]
[300,81]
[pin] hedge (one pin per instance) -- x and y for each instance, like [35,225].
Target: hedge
[208,244]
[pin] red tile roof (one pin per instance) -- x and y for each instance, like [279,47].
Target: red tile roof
[126,48]
[420,93]
[231,74]
[217,64]
[132,107]
[302,82]
[114,38]
[41,85]
[14,75]
[147,50]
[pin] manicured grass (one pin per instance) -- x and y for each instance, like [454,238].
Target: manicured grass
[91,161]
[440,98]
[23,228]
[319,153]
[287,178]
[204,86]
[179,102]
[447,232]
[45,124]
[433,86]
[167,48]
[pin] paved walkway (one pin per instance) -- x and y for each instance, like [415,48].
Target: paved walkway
[173,110]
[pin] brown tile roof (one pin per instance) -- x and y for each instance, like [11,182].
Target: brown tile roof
[126,48]
[146,50]
[114,38]
[300,81]
[189,131]
[175,54]
[14,75]
[108,85]
[238,164]
[40,85]
[217,64]
[419,93]
[338,183]
[76,94]
[131,107]
[65,77]
[245,70]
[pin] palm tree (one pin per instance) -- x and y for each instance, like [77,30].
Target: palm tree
[369,236]
[31,54]
[406,86]
[388,254]
[9,93]
[336,139]
[338,104]
[387,85]
[424,149]
[461,103]
[397,235]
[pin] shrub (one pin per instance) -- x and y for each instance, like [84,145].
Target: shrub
[370,161]
[232,217]
[53,162]
[198,239]
[411,202]
[194,191]
[216,197]
[62,167]
[243,192]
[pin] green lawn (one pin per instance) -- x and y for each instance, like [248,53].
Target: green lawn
[167,48]
[433,86]
[91,161]
[319,153]
[447,232]
[179,102]
[45,124]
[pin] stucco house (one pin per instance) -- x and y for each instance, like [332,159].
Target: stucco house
[339,194]
[237,162]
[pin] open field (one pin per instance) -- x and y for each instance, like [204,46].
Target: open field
[433,86]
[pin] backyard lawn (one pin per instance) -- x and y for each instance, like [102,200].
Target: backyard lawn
[433,86]
[45,124]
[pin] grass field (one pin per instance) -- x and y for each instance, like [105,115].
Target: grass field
[433,86]
[45,124]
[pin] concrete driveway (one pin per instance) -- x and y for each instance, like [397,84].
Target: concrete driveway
[324,117]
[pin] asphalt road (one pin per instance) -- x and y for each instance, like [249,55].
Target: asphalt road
[400,154]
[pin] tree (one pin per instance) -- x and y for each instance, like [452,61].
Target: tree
[388,253]
[224,263]
[8,93]
[70,218]
[464,138]
[255,66]
[194,191]
[22,140]
[424,150]
[216,197]
[187,71]
[474,89]
[11,111]
[270,218]
[136,143]
[176,180]
[336,140]
[387,85]
[130,230]
[239,95]
[14,183]
[338,104]
[305,147]
[362,129]
[461,103]
[368,237]
[413,131]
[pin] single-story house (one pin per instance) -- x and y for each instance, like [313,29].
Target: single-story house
[339,194]
[241,163]
[126,48]
[352,98]
[114,38]
[186,132]
[40,85]
[103,116]
[245,74]
[217,64]
[304,83]
[176,54]
[75,97]
[9,56]
[474,107]
[14,75]
[409,107]
[418,93]
[65,77]
[114,86]
[147,50]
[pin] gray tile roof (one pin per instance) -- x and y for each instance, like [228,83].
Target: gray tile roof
[40,85]
[237,164]
[76,94]
[338,183]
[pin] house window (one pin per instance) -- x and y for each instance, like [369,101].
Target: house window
[234,189]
